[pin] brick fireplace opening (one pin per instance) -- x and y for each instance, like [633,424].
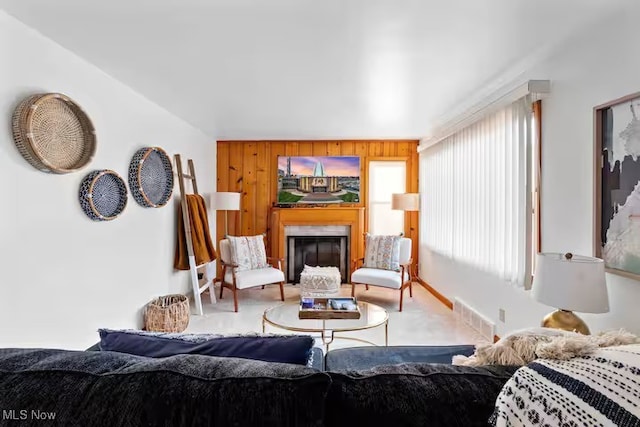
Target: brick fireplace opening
[321,251]
[343,223]
[316,245]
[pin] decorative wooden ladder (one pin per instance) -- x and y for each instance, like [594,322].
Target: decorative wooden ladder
[193,268]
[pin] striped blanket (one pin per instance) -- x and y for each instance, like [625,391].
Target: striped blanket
[602,389]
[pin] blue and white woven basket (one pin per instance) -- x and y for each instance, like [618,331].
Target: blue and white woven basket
[151,177]
[103,195]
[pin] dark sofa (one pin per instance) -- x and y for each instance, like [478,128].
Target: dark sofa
[114,389]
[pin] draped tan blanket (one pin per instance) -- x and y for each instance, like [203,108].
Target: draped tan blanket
[203,248]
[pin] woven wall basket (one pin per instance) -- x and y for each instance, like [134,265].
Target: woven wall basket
[151,177]
[53,133]
[103,195]
[169,313]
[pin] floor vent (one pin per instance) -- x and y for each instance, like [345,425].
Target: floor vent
[474,319]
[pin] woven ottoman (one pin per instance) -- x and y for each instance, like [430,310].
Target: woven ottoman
[320,281]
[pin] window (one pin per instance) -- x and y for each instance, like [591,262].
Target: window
[385,178]
[477,194]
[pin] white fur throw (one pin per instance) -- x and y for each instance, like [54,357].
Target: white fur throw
[522,347]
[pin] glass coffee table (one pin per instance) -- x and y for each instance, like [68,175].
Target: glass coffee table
[285,316]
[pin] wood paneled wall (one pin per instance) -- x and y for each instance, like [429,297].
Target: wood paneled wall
[250,167]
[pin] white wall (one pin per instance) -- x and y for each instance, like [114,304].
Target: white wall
[596,66]
[62,275]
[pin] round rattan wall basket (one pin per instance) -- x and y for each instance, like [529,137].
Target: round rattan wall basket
[151,177]
[53,133]
[103,195]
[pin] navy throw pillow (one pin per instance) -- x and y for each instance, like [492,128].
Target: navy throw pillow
[294,349]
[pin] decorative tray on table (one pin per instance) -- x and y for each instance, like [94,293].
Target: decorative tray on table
[329,308]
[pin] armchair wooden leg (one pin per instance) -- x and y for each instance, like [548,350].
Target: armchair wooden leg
[366,287]
[235,299]
[353,290]
[401,295]
[221,288]
[262,286]
[410,290]
[281,291]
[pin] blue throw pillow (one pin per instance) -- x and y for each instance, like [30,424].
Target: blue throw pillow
[294,349]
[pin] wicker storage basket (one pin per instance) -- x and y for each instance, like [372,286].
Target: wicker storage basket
[168,313]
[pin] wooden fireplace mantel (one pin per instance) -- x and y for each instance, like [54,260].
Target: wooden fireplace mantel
[351,216]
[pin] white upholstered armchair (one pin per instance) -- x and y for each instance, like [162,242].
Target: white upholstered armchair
[245,265]
[387,263]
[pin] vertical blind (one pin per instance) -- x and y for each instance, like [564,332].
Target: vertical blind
[475,189]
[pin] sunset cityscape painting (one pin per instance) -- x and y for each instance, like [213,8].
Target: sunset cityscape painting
[318,179]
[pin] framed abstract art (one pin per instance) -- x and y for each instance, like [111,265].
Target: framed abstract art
[617,185]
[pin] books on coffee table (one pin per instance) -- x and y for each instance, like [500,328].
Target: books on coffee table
[329,308]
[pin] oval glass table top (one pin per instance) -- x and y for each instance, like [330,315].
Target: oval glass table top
[285,316]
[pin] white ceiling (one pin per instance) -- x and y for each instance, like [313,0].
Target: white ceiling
[308,69]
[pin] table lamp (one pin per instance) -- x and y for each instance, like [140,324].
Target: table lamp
[226,201]
[570,282]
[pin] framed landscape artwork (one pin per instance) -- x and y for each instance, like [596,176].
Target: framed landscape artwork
[309,180]
[617,185]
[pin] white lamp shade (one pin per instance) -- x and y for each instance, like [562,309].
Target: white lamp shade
[405,201]
[576,284]
[225,201]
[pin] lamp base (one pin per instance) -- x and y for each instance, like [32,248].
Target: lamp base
[566,320]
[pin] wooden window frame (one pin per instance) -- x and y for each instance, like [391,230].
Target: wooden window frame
[537,151]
